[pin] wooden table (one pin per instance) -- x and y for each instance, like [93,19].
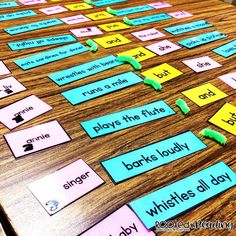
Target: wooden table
[22,210]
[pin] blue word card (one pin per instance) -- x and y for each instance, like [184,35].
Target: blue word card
[132,10]
[127,118]
[33,26]
[149,19]
[202,39]
[84,70]
[51,56]
[170,201]
[8,4]
[39,42]
[102,87]
[106,2]
[226,50]
[134,163]
[188,27]
[17,15]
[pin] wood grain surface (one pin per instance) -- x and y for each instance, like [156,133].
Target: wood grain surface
[21,208]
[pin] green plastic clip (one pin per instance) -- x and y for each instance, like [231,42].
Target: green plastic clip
[111,11]
[155,84]
[131,60]
[88,2]
[212,134]
[128,21]
[183,106]
[93,45]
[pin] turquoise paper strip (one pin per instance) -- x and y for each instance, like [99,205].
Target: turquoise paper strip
[226,50]
[102,87]
[39,42]
[84,70]
[202,39]
[8,4]
[51,56]
[191,26]
[106,2]
[134,163]
[17,15]
[126,118]
[132,10]
[149,19]
[33,26]
[174,199]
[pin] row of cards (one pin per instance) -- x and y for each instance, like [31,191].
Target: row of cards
[100,15]
[99,65]
[24,110]
[161,73]
[201,95]
[114,26]
[225,118]
[119,12]
[28,108]
[81,6]
[77,6]
[93,16]
[141,53]
[64,186]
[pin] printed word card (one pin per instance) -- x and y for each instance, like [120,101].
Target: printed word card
[225,118]
[106,2]
[78,6]
[3,69]
[40,42]
[170,201]
[122,222]
[10,86]
[202,64]
[150,19]
[51,56]
[202,39]
[71,20]
[22,111]
[162,73]
[132,10]
[32,2]
[112,40]
[88,31]
[36,138]
[140,54]
[33,26]
[102,87]
[229,79]
[188,27]
[149,34]
[8,4]
[57,190]
[53,10]
[163,47]
[180,14]
[99,15]
[204,94]
[226,50]
[84,70]
[127,118]
[114,26]
[159,5]
[134,163]
[17,15]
